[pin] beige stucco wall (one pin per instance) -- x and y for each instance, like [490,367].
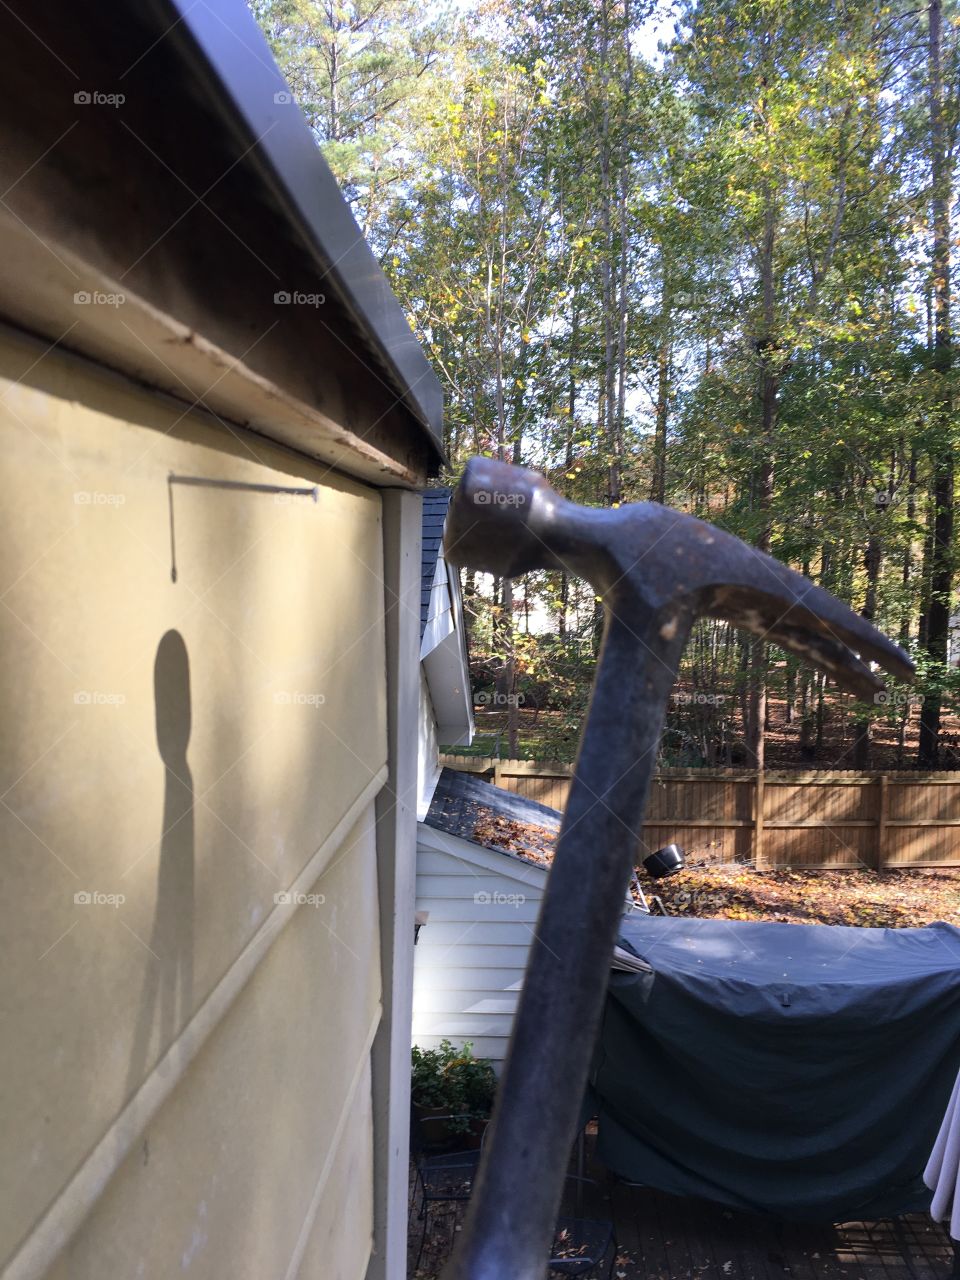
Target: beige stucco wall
[195,746]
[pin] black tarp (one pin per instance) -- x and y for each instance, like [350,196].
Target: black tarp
[795,1070]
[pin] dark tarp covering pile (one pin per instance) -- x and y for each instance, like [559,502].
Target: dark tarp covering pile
[795,1070]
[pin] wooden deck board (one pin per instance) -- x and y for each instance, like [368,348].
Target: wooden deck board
[664,1237]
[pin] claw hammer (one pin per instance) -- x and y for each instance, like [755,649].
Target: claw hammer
[656,571]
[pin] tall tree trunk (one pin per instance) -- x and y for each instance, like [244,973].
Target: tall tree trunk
[624,259]
[615,55]
[862,733]
[769,395]
[807,717]
[506,681]
[608,260]
[791,690]
[742,641]
[568,444]
[821,710]
[658,488]
[907,571]
[941,566]
[926,575]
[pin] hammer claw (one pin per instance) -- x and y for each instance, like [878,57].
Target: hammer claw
[508,521]
[817,627]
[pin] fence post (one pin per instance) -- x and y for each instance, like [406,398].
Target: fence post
[497,771]
[882,823]
[758,818]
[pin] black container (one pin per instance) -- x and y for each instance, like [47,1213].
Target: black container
[664,862]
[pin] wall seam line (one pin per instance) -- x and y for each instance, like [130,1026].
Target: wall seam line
[66,1213]
[296,1258]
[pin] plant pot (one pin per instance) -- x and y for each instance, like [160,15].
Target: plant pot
[433,1133]
[436,1132]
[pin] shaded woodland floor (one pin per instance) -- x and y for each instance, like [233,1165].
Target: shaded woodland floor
[546,735]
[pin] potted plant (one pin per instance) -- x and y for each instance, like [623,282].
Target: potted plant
[451,1082]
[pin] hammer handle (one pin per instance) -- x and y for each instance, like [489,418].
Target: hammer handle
[513,1210]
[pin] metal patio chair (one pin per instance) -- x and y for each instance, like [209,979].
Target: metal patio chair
[581,1245]
[445,1169]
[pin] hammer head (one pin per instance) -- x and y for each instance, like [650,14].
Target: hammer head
[644,558]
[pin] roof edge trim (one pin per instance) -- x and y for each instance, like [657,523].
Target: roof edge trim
[223,37]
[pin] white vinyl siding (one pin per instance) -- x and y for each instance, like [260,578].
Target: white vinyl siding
[471,954]
[428,750]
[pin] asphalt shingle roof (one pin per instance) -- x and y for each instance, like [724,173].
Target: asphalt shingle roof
[435,503]
[464,805]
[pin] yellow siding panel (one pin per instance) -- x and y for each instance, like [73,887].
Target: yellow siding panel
[338,1245]
[183,745]
[271,1112]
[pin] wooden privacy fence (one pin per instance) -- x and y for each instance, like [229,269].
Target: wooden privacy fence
[802,819]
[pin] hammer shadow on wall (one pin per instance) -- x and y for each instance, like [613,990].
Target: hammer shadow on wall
[166,997]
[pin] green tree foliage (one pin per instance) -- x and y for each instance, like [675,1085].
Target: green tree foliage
[356,68]
[718,276]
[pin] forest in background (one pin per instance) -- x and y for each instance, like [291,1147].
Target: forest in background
[699,254]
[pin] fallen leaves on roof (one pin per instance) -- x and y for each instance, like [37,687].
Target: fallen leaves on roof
[508,835]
